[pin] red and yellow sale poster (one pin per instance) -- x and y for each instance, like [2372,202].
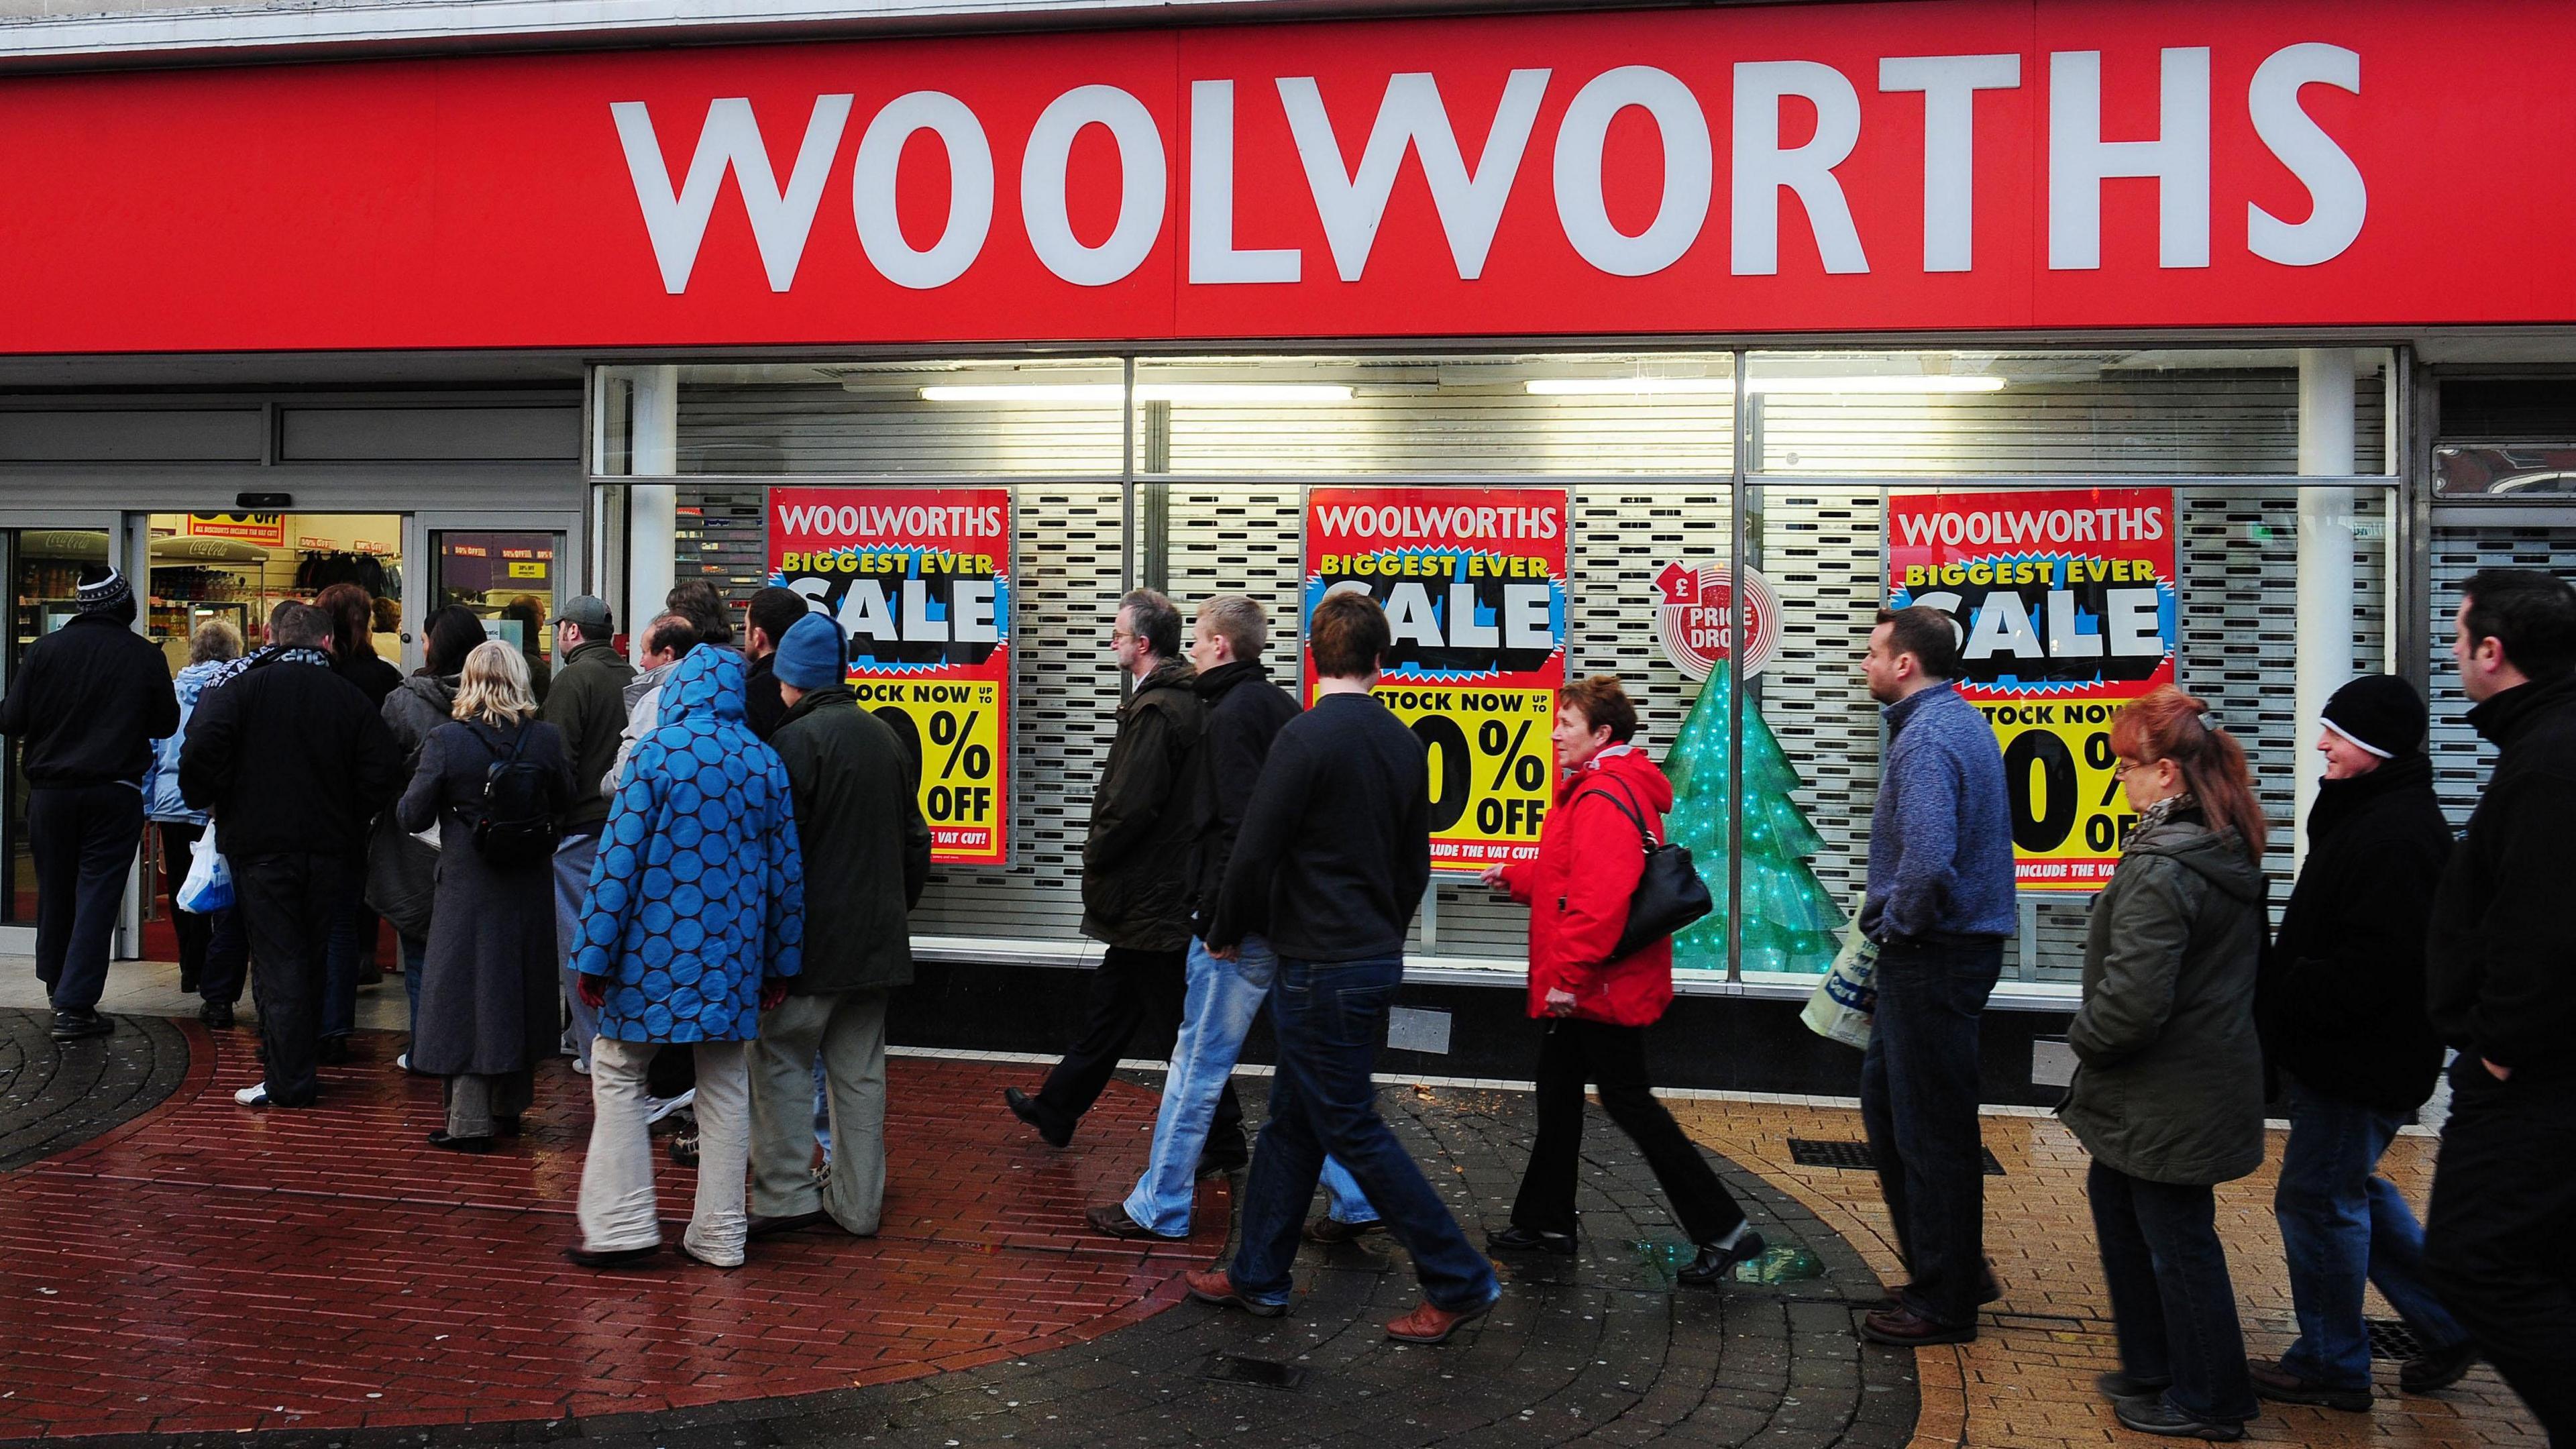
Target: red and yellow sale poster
[920,580]
[2066,602]
[1474,585]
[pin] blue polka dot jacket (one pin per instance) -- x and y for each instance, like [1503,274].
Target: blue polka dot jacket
[698,891]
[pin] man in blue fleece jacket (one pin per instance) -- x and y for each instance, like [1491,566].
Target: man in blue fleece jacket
[1940,904]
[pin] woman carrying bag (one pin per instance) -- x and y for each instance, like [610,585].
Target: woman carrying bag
[488,990]
[1610,800]
[2168,1089]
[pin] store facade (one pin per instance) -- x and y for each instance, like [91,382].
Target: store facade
[1670,343]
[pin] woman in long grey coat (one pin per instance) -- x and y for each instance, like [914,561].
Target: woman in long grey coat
[2168,1089]
[402,872]
[488,990]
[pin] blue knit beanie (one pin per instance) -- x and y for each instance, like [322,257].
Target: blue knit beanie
[809,654]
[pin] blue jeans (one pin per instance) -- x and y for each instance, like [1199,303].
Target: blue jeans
[2341,1223]
[1330,1017]
[1217,1008]
[573,857]
[1918,1103]
[2172,1304]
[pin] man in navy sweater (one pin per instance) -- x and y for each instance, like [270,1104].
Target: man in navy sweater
[1939,905]
[1331,860]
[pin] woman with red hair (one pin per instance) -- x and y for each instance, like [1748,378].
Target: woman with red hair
[2168,1090]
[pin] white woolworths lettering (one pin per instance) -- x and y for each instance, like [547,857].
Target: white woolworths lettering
[1687,171]
[2079,160]
[1214,257]
[970,190]
[780,221]
[2341,200]
[1470,204]
[1949,84]
[1142,182]
[1763,166]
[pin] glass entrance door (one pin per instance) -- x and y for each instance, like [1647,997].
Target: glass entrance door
[513,579]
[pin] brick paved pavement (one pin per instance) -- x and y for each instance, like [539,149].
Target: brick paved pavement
[2028,1379]
[205,1270]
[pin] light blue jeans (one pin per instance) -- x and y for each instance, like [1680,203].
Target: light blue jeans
[573,857]
[1222,998]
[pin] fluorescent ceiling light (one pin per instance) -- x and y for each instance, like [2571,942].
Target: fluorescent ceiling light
[1184,393]
[1667,386]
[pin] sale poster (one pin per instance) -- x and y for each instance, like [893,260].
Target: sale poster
[920,582]
[268,530]
[1474,585]
[2066,602]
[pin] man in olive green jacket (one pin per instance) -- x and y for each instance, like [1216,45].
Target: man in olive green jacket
[588,704]
[867,855]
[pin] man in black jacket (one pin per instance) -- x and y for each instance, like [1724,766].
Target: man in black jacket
[1135,864]
[2341,1006]
[1333,857]
[88,701]
[773,612]
[857,792]
[1200,1128]
[2501,1243]
[295,764]
[588,704]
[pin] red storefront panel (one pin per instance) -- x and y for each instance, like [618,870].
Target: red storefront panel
[496,201]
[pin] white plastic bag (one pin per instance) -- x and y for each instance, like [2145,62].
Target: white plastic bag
[1847,998]
[209,886]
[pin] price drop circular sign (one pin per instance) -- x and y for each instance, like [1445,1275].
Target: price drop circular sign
[1473,581]
[1691,620]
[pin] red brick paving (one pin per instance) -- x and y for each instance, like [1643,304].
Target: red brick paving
[208,1267]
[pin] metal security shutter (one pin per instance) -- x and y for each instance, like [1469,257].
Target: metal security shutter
[2112,422]
[1501,430]
[774,428]
[2462,760]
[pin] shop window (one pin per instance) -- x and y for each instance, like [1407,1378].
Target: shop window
[1578,413]
[1873,415]
[1009,418]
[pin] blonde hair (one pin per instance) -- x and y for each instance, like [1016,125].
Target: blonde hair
[214,641]
[495,686]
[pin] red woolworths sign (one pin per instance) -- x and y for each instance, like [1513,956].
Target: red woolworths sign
[920,580]
[1944,164]
[2067,607]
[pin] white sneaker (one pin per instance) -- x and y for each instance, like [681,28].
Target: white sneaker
[658,1108]
[580,1068]
[403,1063]
[254,1095]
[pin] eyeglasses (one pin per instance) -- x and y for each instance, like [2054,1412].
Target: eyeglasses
[2121,769]
[1120,636]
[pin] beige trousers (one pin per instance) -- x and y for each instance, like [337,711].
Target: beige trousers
[848,1029]
[617,1209]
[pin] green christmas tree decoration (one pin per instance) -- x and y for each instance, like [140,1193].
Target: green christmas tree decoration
[1791,922]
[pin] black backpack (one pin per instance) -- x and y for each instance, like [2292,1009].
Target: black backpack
[517,823]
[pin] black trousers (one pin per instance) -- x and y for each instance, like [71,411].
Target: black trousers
[2500,1241]
[1130,990]
[83,840]
[211,951]
[288,904]
[1613,1058]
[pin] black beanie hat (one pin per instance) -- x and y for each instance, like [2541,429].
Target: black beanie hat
[2379,712]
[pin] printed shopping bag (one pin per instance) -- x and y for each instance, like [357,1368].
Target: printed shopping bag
[1845,999]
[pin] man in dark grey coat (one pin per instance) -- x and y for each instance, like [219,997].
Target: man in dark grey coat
[587,705]
[1135,870]
[866,846]
[88,701]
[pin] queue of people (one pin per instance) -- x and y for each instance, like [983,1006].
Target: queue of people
[719,853]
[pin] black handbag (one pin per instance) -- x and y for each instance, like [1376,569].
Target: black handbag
[1669,895]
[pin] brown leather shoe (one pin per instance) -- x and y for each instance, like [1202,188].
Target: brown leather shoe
[1432,1323]
[1211,1285]
[1110,1220]
[1905,1328]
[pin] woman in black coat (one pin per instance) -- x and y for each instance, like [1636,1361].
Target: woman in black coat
[488,987]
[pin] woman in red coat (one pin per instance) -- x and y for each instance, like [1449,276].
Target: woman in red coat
[1590,855]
